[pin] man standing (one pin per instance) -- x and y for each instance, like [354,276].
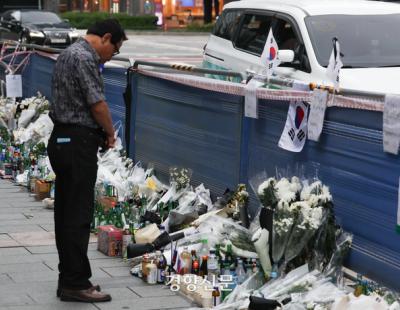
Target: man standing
[81,121]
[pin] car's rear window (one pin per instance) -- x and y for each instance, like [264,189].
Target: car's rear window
[227,23]
[253,33]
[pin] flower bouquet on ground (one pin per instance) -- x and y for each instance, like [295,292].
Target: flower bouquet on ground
[306,224]
[300,216]
[312,212]
[285,215]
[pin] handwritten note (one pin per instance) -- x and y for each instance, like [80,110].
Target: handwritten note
[317,114]
[391,124]
[250,99]
[13,85]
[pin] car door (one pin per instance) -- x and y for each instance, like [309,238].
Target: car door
[219,47]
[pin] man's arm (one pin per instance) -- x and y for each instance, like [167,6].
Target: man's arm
[102,116]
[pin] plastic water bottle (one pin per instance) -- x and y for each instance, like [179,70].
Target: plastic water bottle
[240,272]
[213,268]
[274,271]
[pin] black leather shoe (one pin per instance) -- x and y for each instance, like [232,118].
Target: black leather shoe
[89,295]
[96,287]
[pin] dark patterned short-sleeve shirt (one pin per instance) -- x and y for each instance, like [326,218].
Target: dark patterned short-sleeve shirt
[76,85]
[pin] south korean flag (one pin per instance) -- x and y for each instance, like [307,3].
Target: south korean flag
[269,57]
[294,134]
[335,64]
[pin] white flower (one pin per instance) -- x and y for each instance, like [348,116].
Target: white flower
[295,185]
[313,200]
[264,185]
[284,191]
[283,205]
[311,217]
[299,205]
[308,190]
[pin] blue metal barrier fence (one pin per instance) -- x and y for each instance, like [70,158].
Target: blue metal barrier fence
[173,124]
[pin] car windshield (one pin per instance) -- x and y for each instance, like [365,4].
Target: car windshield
[38,17]
[365,40]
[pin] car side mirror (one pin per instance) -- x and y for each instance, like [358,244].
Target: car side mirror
[66,20]
[286,56]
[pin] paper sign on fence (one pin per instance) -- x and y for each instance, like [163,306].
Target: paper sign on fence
[317,114]
[294,134]
[250,99]
[398,211]
[13,85]
[391,124]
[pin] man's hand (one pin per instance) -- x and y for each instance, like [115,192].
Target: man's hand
[102,116]
[110,142]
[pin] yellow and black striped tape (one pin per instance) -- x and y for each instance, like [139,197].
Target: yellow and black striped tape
[330,89]
[182,67]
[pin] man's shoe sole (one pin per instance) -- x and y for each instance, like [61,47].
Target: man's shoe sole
[59,290]
[78,299]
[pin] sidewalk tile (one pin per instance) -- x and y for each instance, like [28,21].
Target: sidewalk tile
[152,291]
[41,249]
[34,276]
[7,241]
[24,268]
[13,251]
[170,302]
[117,271]
[20,229]
[27,259]
[34,238]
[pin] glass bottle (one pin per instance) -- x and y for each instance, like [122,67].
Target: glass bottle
[126,240]
[161,266]
[186,260]
[216,296]
[212,265]
[145,262]
[229,260]
[203,267]
[204,250]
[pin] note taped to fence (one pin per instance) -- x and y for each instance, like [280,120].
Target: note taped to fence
[398,211]
[250,99]
[391,124]
[13,85]
[318,105]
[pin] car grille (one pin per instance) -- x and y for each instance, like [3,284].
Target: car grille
[56,34]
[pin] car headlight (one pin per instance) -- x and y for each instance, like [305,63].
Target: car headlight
[36,34]
[74,34]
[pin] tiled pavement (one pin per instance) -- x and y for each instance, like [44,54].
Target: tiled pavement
[28,264]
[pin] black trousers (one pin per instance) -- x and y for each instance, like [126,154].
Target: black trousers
[73,155]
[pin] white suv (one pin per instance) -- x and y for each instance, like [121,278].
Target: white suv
[368,33]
